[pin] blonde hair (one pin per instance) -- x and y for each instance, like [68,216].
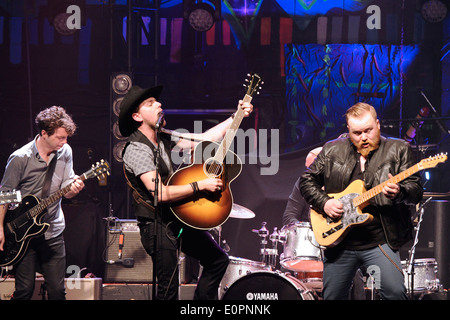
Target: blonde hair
[359,109]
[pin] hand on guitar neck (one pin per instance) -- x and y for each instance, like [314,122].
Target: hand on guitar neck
[391,190]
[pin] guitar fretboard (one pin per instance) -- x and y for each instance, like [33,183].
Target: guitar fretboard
[366,196]
[41,206]
[231,132]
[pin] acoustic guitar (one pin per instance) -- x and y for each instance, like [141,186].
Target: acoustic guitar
[211,160]
[330,232]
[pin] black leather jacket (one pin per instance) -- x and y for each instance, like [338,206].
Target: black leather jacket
[333,169]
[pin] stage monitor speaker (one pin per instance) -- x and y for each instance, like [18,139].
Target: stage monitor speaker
[134,264]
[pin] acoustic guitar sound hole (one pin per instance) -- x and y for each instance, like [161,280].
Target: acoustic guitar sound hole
[213,168]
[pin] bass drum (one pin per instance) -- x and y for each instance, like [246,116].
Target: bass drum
[238,268]
[268,285]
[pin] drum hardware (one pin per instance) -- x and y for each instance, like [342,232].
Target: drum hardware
[268,255]
[426,268]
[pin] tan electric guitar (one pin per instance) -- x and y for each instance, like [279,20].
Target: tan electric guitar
[329,232]
[211,160]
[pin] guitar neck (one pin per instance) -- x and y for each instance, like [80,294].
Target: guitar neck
[231,133]
[44,204]
[366,196]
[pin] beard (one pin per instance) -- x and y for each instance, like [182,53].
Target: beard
[364,148]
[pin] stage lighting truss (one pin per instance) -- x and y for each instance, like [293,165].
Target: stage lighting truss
[434,11]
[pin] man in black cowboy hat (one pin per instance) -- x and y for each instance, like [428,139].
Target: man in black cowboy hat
[140,117]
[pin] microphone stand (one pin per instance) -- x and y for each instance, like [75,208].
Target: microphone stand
[410,269]
[157,208]
[434,113]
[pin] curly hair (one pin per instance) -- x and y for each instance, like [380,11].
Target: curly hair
[53,118]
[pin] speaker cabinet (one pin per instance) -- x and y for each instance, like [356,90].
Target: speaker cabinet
[140,291]
[134,264]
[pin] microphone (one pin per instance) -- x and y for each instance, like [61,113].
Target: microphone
[121,238]
[127,262]
[411,133]
[160,121]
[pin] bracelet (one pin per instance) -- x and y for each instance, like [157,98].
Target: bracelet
[194,186]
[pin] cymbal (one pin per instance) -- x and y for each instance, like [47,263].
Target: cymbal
[241,212]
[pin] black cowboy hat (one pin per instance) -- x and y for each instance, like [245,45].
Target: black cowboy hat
[135,96]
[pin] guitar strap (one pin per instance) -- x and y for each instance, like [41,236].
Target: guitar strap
[48,177]
[136,195]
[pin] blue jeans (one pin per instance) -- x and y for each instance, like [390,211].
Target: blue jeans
[382,263]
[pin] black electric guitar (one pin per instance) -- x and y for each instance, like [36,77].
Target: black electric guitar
[211,160]
[25,222]
[329,232]
[10,197]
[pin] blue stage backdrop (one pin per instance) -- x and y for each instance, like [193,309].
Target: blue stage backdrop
[322,81]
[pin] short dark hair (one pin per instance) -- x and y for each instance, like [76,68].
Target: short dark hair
[359,109]
[55,117]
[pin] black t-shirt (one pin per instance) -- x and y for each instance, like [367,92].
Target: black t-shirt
[369,235]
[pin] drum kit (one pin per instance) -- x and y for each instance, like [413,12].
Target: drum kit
[295,274]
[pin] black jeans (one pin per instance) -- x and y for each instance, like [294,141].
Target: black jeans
[47,257]
[197,244]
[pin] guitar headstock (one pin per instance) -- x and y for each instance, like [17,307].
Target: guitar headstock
[100,168]
[10,197]
[253,84]
[432,162]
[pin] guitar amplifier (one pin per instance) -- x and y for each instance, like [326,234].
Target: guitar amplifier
[135,265]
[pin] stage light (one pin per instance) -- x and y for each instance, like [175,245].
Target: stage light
[121,83]
[201,15]
[60,24]
[58,16]
[434,11]
[117,150]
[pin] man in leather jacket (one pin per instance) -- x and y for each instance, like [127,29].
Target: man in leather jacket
[367,156]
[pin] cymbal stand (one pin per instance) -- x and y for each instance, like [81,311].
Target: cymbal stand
[273,253]
[412,251]
[262,233]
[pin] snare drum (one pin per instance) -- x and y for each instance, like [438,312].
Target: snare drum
[238,268]
[301,251]
[425,275]
[268,285]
